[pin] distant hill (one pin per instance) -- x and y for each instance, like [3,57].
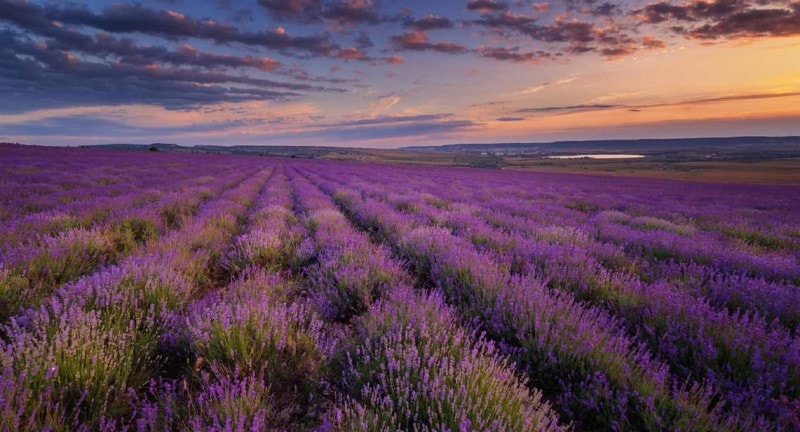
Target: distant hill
[743,149]
[286,151]
[789,144]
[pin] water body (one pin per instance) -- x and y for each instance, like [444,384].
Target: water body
[599,156]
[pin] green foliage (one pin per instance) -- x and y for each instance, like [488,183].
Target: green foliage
[174,214]
[583,206]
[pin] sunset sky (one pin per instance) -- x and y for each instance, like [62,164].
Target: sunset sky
[394,73]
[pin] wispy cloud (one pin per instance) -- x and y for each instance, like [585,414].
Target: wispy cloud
[533,89]
[566,108]
[539,87]
[642,107]
[383,104]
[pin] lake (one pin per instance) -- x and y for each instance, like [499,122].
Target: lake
[598,156]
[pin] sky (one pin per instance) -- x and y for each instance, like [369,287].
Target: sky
[386,74]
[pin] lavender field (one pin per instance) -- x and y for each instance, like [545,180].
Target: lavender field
[152,291]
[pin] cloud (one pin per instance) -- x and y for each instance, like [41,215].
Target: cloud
[314,11]
[544,85]
[567,80]
[605,9]
[358,54]
[81,125]
[216,119]
[394,60]
[533,89]
[428,22]
[580,36]
[380,120]
[729,98]
[486,5]
[649,42]
[383,104]
[136,18]
[243,15]
[725,18]
[405,129]
[372,129]
[510,119]
[35,75]
[352,53]
[417,40]
[353,12]
[304,11]
[642,107]
[570,108]
[512,54]
[126,49]
[559,31]
[49,63]
[542,6]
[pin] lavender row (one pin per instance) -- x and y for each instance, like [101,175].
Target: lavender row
[406,364]
[664,212]
[30,272]
[80,360]
[581,356]
[678,237]
[61,181]
[586,261]
[732,290]
[544,221]
[754,364]
[100,208]
[254,351]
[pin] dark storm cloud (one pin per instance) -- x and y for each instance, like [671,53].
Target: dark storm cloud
[428,22]
[418,41]
[725,18]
